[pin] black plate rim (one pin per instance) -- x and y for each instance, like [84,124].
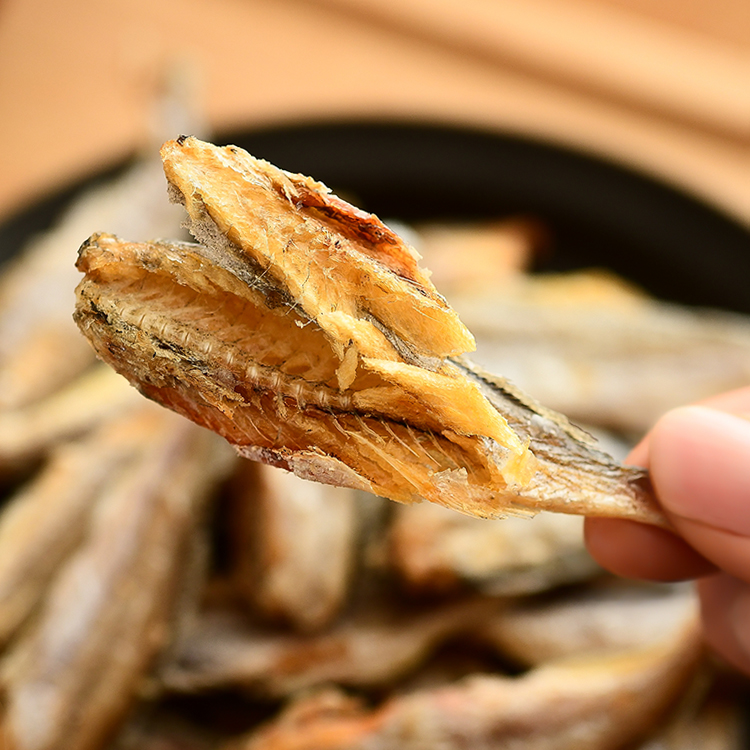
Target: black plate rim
[601,212]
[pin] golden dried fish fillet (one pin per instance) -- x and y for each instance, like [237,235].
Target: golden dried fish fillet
[304,332]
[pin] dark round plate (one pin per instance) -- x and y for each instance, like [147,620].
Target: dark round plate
[598,213]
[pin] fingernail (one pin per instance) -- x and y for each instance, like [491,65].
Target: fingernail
[700,466]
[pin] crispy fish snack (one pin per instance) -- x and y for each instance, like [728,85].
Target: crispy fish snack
[303,330]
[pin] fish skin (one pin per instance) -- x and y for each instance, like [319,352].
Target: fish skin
[276,334]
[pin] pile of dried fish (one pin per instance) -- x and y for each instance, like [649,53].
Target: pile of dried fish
[158,592]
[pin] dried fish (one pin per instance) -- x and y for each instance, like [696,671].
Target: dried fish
[47,519]
[599,703]
[70,679]
[436,549]
[616,616]
[40,347]
[373,647]
[306,334]
[294,543]
[28,433]
[603,354]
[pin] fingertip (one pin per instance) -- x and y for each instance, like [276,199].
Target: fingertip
[636,550]
[638,455]
[699,466]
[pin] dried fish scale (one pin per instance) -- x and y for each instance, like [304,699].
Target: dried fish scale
[304,332]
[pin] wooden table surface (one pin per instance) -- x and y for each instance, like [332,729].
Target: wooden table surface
[663,85]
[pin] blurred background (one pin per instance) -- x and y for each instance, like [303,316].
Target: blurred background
[662,85]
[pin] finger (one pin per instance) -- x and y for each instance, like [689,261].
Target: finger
[725,607]
[635,550]
[731,402]
[700,468]
[638,456]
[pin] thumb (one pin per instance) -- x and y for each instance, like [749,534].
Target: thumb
[700,467]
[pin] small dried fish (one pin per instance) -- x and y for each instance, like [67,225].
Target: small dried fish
[40,348]
[436,549]
[600,703]
[306,334]
[294,543]
[595,618]
[373,647]
[74,673]
[47,519]
[28,433]
[603,354]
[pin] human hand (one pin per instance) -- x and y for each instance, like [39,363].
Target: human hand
[699,460]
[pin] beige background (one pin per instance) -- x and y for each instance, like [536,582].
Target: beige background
[660,84]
